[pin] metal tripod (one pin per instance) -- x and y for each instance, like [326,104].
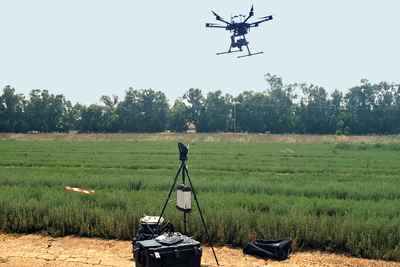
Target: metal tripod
[183,170]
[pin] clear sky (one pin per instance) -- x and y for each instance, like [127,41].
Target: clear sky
[87,48]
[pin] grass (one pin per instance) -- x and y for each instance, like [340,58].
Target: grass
[323,194]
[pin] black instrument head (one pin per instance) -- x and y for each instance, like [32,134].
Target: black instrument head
[183,151]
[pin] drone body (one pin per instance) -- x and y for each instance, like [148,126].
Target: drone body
[239,26]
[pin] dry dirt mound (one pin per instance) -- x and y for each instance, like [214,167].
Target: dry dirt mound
[36,250]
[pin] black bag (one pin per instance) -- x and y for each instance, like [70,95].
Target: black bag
[269,249]
[171,250]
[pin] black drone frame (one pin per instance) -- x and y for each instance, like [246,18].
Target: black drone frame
[183,171]
[239,29]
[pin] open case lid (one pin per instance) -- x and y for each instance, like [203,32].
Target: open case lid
[151,220]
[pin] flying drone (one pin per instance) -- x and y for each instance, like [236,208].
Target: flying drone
[240,26]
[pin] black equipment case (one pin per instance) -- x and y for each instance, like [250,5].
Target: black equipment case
[168,250]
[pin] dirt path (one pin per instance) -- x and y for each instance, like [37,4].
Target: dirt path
[36,250]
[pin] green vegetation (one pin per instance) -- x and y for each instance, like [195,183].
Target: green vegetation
[282,108]
[332,196]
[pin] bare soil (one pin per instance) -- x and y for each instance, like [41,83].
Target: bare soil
[205,137]
[40,251]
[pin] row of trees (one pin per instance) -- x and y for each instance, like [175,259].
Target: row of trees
[282,108]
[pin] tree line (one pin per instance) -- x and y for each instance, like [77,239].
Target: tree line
[368,108]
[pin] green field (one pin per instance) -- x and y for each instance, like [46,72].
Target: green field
[321,193]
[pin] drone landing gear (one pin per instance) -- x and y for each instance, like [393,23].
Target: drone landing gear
[250,54]
[228,52]
[242,56]
[239,42]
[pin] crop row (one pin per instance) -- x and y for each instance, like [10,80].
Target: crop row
[324,196]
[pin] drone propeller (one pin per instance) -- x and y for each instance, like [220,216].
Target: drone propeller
[251,13]
[218,17]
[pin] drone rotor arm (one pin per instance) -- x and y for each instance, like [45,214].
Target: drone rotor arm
[264,19]
[214,25]
[251,14]
[219,18]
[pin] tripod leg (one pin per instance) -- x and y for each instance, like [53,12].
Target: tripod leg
[184,213]
[170,192]
[201,213]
